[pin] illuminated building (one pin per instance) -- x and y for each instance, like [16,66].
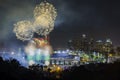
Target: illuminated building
[79,43]
[63,58]
[91,47]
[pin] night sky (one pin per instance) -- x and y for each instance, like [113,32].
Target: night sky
[99,19]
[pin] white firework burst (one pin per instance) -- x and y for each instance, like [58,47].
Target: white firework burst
[23,30]
[45,15]
[44,18]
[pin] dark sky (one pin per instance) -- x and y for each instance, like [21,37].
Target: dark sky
[99,19]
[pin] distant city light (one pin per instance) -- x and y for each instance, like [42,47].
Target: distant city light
[58,51]
[12,53]
[31,62]
[63,52]
[47,63]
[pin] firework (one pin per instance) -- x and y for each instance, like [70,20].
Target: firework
[23,30]
[44,18]
[45,15]
[38,50]
[30,48]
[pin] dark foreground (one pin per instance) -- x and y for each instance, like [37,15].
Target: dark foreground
[11,70]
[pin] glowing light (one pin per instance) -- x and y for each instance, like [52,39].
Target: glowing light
[23,30]
[63,52]
[53,65]
[83,35]
[58,68]
[45,15]
[47,63]
[99,41]
[109,41]
[59,52]
[23,57]
[110,55]
[12,53]
[67,50]
[31,62]
[30,48]
[36,53]
[43,23]
[55,51]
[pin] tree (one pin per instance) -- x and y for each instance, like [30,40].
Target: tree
[14,63]
[36,67]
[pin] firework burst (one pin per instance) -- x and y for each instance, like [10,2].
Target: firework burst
[44,19]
